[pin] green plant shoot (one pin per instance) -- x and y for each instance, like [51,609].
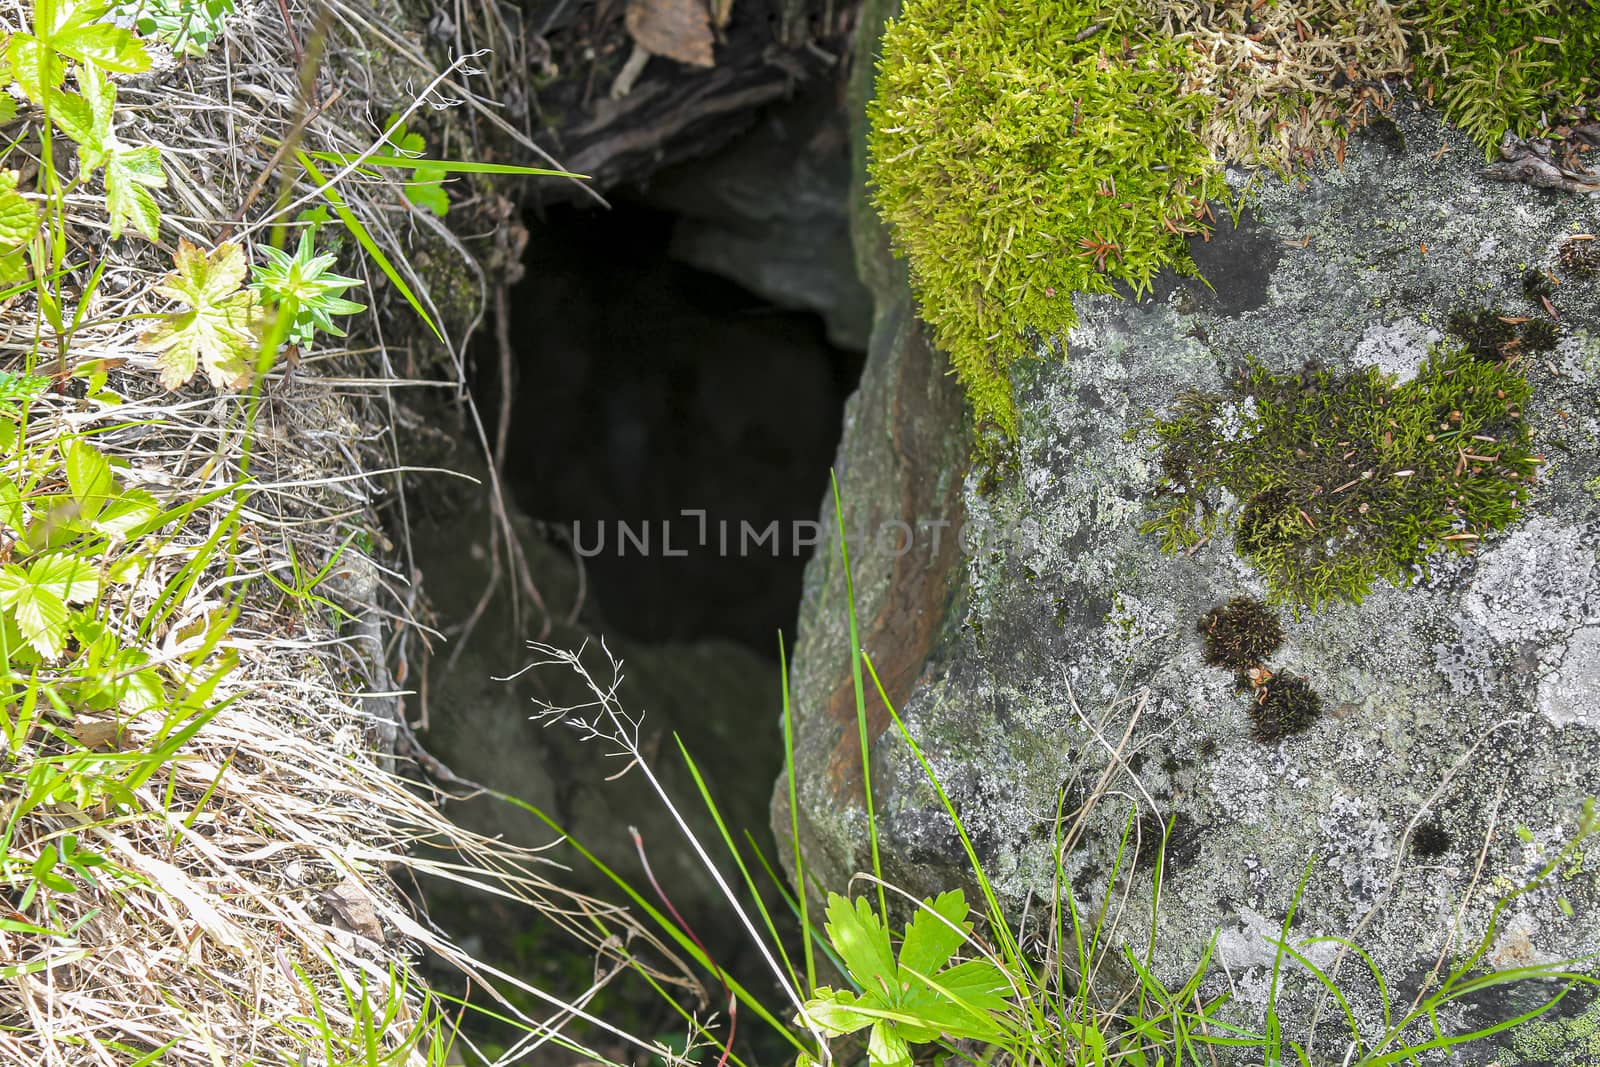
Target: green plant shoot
[917,997]
[304,288]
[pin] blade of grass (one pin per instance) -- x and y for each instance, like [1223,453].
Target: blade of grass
[359,232]
[733,850]
[860,695]
[794,820]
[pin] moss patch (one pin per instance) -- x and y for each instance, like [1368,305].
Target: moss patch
[1525,68]
[1241,633]
[1490,335]
[1292,80]
[1343,479]
[1580,256]
[1024,155]
[1283,707]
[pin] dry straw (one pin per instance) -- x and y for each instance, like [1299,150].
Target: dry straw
[256,917]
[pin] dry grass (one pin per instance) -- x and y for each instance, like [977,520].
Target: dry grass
[249,913]
[1291,80]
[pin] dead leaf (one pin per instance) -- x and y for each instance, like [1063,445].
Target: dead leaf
[352,909]
[677,29]
[98,733]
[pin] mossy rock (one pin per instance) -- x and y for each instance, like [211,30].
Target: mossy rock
[1458,696]
[1024,156]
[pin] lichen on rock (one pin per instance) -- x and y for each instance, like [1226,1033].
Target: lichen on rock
[1457,704]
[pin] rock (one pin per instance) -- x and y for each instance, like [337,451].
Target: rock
[1054,657]
[767,212]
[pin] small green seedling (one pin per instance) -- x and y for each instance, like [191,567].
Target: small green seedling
[426,187]
[185,26]
[915,998]
[303,287]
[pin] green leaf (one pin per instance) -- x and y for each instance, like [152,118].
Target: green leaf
[89,475]
[18,218]
[426,190]
[130,175]
[131,509]
[35,66]
[40,615]
[220,331]
[103,46]
[78,118]
[833,1010]
[71,578]
[12,513]
[930,939]
[886,1048]
[89,118]
[861,940]
[67,29]
[978,983]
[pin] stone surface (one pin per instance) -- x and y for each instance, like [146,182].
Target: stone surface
[768,213]
[1059,658]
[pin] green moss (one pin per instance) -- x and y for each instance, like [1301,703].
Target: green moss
[1338,480]
[1021,156]
[1571,1040]
[1283,707]
[1240,634]
[1024,153]
[1494,67]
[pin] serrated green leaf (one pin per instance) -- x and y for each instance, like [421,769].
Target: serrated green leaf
[89,476]
[935,932]
[18,217]
[220,331]
[35,66]
[130,175]
[8,106]
[861,940]
[67,29]
[75,117]
[88,117]
[73,579]
[40,615]
[104,46]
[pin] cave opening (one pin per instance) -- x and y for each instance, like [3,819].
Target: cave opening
[679,363]
[670,427]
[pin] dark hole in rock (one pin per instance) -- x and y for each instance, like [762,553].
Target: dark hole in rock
[674,427]
[644,387]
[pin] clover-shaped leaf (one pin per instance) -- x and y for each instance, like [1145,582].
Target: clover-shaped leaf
[219,332]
